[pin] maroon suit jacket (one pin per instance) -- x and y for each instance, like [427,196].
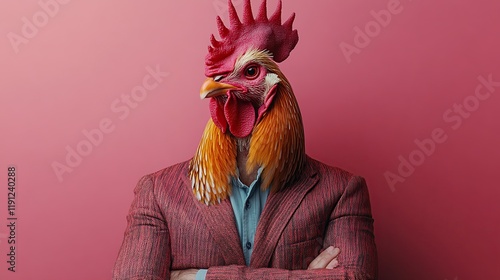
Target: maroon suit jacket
[168,229]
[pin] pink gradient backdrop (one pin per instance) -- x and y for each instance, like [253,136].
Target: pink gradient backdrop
[442,222]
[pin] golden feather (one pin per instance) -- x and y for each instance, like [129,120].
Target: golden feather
[214,164]
[277,145]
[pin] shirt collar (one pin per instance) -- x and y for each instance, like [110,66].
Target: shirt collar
[237,182]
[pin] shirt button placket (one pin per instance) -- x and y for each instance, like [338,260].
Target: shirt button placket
[248,245]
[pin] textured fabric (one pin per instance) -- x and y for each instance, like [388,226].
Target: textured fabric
[247,203]
[168,229]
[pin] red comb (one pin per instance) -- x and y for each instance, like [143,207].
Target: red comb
[260,33]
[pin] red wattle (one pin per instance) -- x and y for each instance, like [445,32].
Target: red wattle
[240,116]
[217,113]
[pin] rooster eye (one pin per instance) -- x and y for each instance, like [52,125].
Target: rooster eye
[251,72]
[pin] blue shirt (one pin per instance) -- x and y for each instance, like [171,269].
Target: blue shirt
[248,203]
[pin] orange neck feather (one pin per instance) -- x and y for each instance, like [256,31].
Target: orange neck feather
[276,144]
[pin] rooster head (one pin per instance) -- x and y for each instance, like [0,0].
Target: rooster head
[250,100]
[241,98]
[241,74]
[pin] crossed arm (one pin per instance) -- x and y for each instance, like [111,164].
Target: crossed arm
[350,226]
[326,260]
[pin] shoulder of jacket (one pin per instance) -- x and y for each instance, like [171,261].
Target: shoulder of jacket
[167,175]
[328,172]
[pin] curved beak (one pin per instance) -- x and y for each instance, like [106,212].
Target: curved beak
[211,88]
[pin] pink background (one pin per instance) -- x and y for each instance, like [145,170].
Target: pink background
[442,222]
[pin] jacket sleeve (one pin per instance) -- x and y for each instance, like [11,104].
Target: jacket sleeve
[145,251]
[350,228]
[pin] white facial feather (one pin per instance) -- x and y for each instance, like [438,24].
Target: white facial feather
[249,56]
[271,80]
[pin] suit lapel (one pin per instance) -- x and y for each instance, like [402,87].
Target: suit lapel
[277,212]
[219,220]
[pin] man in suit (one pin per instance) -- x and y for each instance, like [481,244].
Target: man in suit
[169,230]
[250,204]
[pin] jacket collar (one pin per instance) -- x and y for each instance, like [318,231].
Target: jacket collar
[278,210]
